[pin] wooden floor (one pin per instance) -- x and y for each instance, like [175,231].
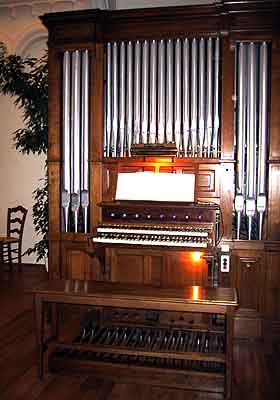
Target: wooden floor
[256,365]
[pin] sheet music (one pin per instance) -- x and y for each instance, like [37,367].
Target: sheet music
[155,186]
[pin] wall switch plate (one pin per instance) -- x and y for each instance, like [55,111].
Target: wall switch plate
[225,262]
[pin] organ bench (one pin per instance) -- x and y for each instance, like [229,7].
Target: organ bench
[193,354]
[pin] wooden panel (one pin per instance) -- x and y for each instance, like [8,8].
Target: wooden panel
[208,184]
[274,143]
[227,193]
[127,266]
[77,264]
[227,115]
[272,291]
[248,279]
[273,217]
[181,269]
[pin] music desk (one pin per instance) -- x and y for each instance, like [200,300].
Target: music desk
[192,299]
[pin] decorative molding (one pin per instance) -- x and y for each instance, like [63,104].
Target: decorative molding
[18,8]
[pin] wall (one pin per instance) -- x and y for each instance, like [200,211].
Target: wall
[23,33]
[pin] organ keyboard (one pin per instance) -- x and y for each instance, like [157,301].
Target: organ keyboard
[158,224]
[177,236]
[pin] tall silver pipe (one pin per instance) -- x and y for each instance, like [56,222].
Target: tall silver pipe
[201,98]
[137,82]
[66,138]
[215,139]
[251,138]
[194,97]
[115,101]
[108,101]
[76,114]
[153,92]
[186,97]
[263,125]
[169,91]
[209,97]
[129,98]
[122,99]
[85,138]
[241,133]
[145,95]
[178,95]
[161,92]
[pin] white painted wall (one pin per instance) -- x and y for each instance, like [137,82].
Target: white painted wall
[23,33]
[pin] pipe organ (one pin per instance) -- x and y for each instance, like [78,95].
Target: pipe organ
[149,85]
[175,92]
[252,97]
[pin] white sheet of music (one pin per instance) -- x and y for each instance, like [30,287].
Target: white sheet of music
[155,186]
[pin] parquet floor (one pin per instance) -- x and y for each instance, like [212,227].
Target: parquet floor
[256,365]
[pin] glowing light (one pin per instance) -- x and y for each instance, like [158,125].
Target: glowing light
[195,292]
[197,255]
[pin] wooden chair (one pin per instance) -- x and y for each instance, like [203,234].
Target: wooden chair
[11,245]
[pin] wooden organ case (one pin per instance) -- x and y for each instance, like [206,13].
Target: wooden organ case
[205,79]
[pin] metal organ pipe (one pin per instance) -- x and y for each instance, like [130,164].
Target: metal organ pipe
[263,124]
[129,98]
[178,95]
[122,100]
[169,91]
[137,92]
[209,98]
[115,101]
[85,138]
[145,87]
[108,101]
[75,168]
[215,139]
[251,129]
[251,139]
[161,91]
[153,92]
[194,97]
[65,196]
[201,107]
[241,136]
[186,97]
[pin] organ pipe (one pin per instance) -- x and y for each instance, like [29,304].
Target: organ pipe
[108,101]
[215,140]
[252,82]
[251,138]
[201,106]
[186,98]
[129,98]
[137,77]
[241,134]
[161,91]
[122,100]
[85,137]
[153,92]
[263,124]
[115,101]
[75,168]
[194,97]
[145,82]
[209,98]
[66,138]
[178,95]
[169,91]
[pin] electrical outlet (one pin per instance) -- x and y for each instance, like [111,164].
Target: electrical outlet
[225,262]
